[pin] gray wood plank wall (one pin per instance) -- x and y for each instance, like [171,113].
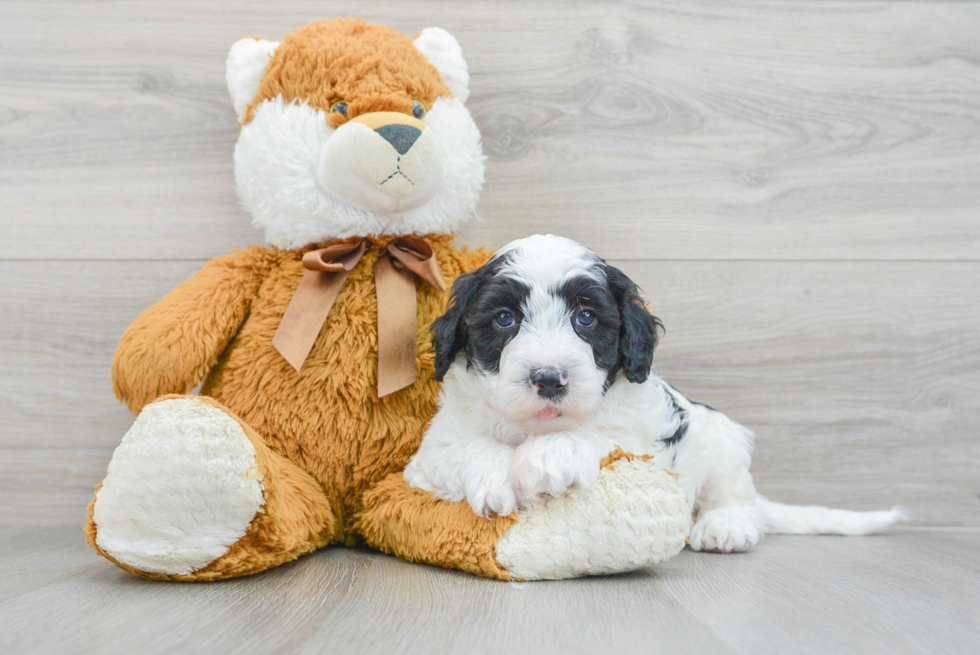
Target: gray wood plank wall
[796,185]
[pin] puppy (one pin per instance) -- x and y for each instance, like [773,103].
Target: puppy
[546,354]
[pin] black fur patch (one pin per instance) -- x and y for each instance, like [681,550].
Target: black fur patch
[673,390]
[485,340]
[679,433]
[581,293]
[623,338]
[694,402]
[475,300]
[681,430]
[639,330]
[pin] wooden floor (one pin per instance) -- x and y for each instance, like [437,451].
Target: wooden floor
[913,591]
[794,183]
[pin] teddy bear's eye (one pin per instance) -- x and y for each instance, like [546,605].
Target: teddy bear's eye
[339,107]
[417,109]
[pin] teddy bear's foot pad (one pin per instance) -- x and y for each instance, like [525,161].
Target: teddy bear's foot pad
[182,487]
[634,516]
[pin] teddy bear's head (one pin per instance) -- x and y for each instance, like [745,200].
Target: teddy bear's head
[350,129]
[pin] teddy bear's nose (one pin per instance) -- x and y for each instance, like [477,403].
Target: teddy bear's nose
[401,137]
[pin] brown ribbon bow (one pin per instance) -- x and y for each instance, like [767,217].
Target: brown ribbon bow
[327,270]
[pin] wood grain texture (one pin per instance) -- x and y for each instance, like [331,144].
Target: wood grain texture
[861,380]
[702,130]
[793,183]
[907,592]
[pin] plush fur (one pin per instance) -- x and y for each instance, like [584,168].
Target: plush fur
[325,425]
[288,128]
[546,353]
[270,463]
[276,151]
[194,451]
[631,518]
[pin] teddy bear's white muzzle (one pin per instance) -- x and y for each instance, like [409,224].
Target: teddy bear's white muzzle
[383,166]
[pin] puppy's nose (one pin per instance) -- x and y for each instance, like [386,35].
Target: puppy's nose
[549,382]
[401,137]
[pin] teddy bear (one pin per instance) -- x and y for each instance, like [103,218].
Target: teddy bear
[358,159]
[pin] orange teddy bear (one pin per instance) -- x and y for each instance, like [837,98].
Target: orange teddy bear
[358,158]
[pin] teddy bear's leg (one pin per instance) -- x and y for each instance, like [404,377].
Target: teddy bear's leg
[193,493]
[415,525]
[634,516]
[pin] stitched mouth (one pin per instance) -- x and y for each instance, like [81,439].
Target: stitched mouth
[398,171]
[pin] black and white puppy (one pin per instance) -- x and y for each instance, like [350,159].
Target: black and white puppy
[546,354]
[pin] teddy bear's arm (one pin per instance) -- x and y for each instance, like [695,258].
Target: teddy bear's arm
[171,346]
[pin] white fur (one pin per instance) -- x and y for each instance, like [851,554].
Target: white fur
[277,174]
[361,168]
[246,64]
[545,259]
[484,412]
[552,464]
[443,51]
[181,489]
[793,519]
[546,338]
[634,516]
[476,469]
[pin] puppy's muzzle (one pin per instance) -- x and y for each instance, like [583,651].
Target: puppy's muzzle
[550,383]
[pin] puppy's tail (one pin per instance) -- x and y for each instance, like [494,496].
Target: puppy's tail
[777,518]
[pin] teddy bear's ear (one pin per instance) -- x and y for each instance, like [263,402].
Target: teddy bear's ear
[443,51]
[247,60]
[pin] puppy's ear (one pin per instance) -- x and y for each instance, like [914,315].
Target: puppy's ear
[449,330]
[638,328]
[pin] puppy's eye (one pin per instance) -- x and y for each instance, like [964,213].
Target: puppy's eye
[504,320]
[418,111]
[339,107]
[585,319]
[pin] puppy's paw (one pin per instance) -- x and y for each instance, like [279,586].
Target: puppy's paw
[489,489]
[725,530]
[551,465]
